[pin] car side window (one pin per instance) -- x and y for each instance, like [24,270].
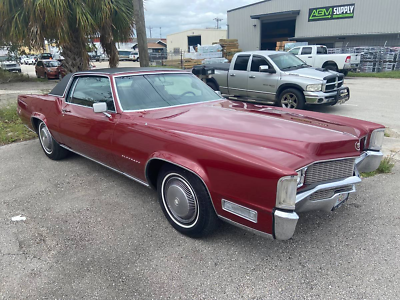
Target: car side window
[295,51]
[306,50]
[92,89]
[241,62]
[258,61]
[39,64]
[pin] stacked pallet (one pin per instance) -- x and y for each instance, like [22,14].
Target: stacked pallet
[187,63]
[229,48]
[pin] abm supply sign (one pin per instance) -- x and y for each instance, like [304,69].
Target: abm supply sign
[345,11]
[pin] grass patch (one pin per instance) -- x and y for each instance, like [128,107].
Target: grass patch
[387,134]
[11,127]
[7,77]
[385,167]
[391,74]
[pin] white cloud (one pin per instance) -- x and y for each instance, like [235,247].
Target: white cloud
[178,15]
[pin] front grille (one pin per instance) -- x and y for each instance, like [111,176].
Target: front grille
[326,194]
[329,170]
[333,84]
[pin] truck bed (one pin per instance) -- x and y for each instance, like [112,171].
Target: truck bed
[220,66]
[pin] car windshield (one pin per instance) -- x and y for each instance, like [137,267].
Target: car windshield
[50,64]
[287,61]
[46,56]
[161,90]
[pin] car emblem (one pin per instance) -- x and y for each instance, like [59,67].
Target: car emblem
[358,146]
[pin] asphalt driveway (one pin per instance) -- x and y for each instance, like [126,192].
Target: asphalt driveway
[90,233]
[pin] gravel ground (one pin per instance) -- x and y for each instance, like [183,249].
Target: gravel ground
[93,234]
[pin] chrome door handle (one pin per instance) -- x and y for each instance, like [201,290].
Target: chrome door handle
[310,57]
[232,74]
[252,76]
[65,110]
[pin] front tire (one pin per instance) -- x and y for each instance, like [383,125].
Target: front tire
[185,202]
[50,147]
[292,98]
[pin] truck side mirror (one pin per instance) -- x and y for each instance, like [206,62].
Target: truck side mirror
[267,69]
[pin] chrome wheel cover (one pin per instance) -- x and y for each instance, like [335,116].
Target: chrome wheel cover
[289,100]
[180,200]
[45,138]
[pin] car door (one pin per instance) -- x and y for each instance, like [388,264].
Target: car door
[39,68]
[261,85]
[83,130]
[306,55]
[238,76]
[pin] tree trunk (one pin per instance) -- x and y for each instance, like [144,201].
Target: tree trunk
[140,25]
[108,44]
[75,54]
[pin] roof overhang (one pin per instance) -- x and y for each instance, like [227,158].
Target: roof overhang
[278,16]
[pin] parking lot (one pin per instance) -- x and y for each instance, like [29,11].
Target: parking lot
[90,233]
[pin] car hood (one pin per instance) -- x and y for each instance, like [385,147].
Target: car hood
[318,74]
[286,137]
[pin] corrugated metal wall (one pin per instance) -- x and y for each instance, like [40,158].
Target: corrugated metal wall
[371,17]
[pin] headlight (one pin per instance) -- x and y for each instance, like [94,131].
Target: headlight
[286,192]
[49,70]
[314,87]
[300,177]
[376,140]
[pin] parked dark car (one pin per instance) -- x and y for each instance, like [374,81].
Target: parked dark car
[45,56]
[48,68]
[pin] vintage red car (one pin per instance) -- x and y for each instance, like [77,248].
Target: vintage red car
[209,158]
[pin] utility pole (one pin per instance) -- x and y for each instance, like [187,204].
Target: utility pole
[141,32]
[217,20]
[150,28]
[160,33]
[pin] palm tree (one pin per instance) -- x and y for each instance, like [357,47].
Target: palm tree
[69,23]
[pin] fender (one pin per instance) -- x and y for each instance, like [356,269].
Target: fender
[288,86]
[179,161]
[37,116]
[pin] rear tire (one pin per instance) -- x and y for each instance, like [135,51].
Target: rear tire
[332,67]
[50,147]
[185,202]
[292,98]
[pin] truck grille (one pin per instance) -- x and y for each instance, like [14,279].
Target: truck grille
[333,84]
[329,170]
[326,194]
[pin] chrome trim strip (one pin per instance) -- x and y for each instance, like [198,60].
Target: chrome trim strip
[156,158]
[155,108]
[326,186]
[260,92]
[104,165]
[252,230]
[236,89]
[30,129]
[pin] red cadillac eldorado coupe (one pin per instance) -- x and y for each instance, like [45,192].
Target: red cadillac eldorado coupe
[209,158]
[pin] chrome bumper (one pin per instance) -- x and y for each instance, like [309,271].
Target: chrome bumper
[369,161]
[325,97]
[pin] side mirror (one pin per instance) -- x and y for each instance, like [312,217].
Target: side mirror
[267,69]
[218,93]
[99,107]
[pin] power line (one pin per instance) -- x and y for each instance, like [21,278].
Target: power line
[217,20]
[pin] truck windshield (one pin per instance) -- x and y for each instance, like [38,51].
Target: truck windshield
[141,92]
[287,61]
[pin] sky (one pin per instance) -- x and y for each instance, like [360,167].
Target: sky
[179,15]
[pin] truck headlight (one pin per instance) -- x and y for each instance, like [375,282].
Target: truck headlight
[376,139]
[286,192]
[314,87]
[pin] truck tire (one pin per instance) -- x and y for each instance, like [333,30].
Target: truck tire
[291,98]
[332,67]
[212,85]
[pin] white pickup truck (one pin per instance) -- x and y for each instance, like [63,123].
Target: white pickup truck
[317,57]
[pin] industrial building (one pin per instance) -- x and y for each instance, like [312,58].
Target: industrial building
[334,23]
[181,41]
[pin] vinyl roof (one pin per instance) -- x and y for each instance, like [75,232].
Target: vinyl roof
[125,70]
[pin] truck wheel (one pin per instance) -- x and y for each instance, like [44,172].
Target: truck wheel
[292,98]
[332,67]
[345,73]
[185,202]
[212,85]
